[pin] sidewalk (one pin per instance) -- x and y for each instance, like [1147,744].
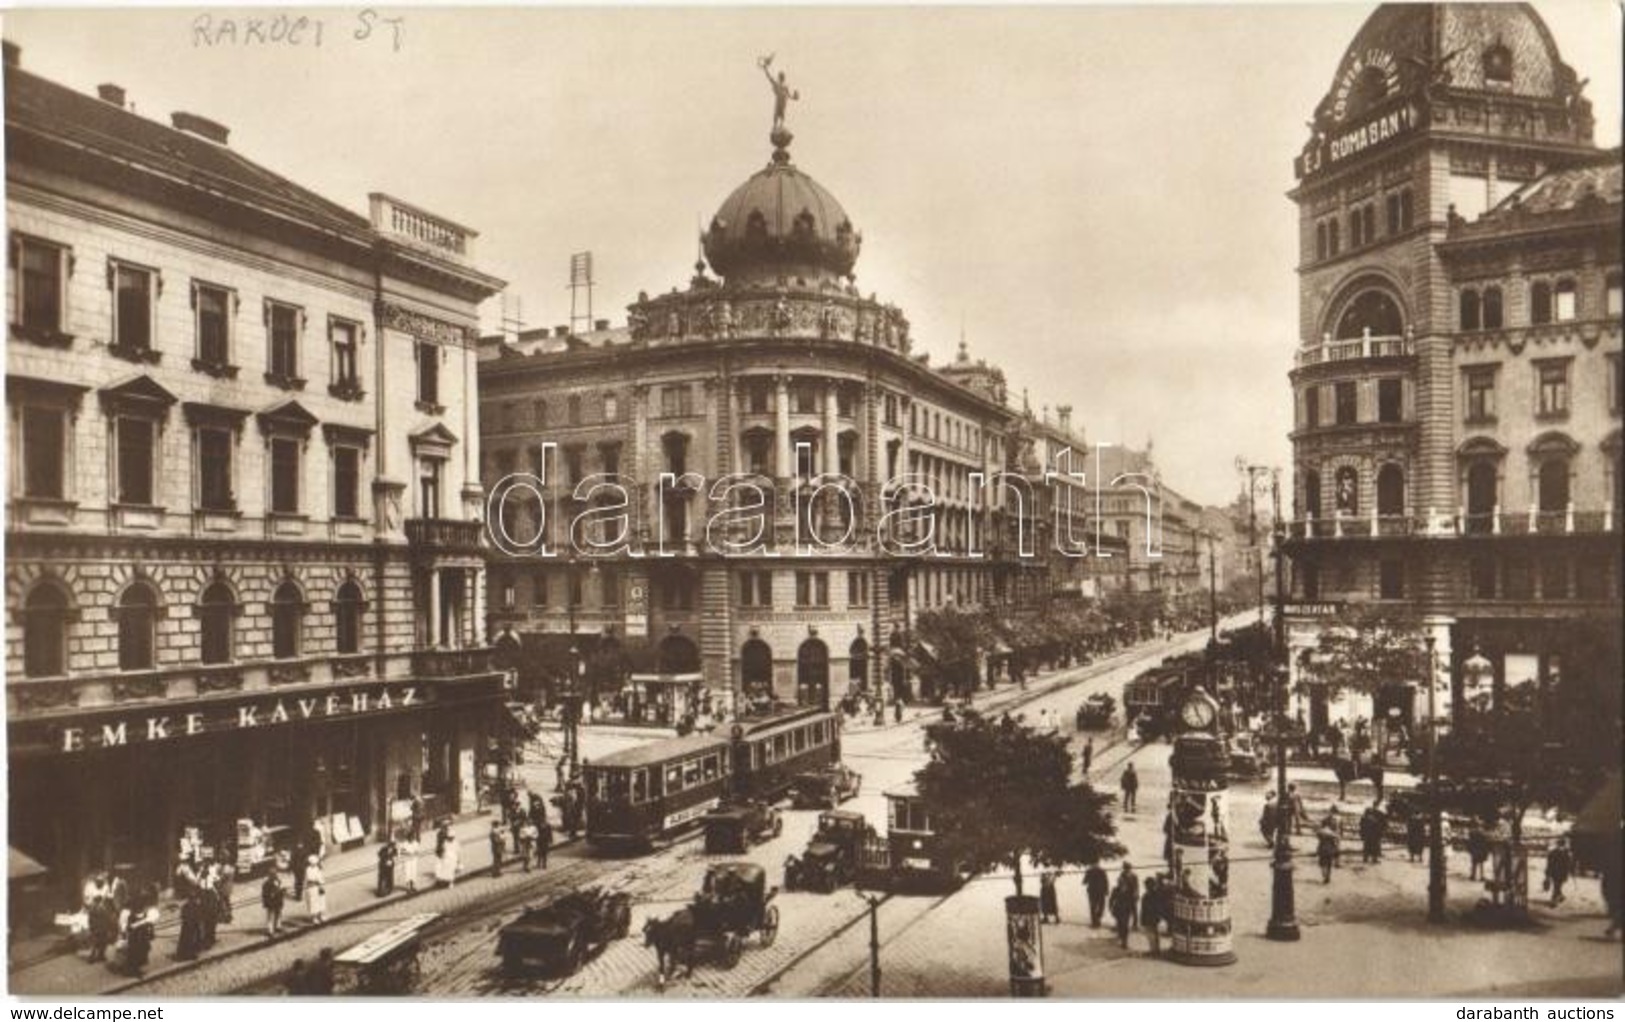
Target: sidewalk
[351,880]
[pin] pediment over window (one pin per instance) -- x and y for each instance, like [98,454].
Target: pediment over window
[1481,447]
[30,390]
[354,436]
[432,441]
[139,394]
[199,413]
[287,417]
[1554,443]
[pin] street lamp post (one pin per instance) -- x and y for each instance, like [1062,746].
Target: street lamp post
[1436,882]
[1283,924]
[1212,593]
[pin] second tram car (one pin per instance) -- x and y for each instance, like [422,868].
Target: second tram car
[643,795]
[915,855]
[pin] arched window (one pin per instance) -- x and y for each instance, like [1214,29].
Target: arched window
[137,627]
[1497,65]
[348,608]
[858,658]
[677,654]
[1540,302]
[1332,243]
[287,617]
[1391,490]
[1311,494]
[1482,495]
[1372,311]
[1493,319]
[1470,319]
[1320,240]
[1553,483]
[215,610]
[756,669]
[45,631]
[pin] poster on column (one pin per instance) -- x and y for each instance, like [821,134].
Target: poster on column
[637,610]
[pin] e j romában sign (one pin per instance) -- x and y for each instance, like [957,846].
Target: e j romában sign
[1371,133]
[159,725]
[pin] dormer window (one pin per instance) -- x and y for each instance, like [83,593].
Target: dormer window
[1498,65]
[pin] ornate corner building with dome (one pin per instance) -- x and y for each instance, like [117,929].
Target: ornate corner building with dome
[1457,381]
[771,367]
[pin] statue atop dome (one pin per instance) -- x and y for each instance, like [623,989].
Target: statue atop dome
[782,93]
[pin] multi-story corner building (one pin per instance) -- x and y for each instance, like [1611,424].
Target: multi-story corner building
[1457,381]
[243,571]
[779,374]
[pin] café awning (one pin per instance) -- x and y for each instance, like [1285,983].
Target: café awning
[22,866]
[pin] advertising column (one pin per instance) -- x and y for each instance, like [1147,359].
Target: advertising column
[1199,839]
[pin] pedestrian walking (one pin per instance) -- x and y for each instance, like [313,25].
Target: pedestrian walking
[449,860]
[1268,817]
[408,861]
[527,843]
[316,892]
[1294,808]
[1373,823]
[190,940]
[897,711]
[139,923]
[1559,867]
[1326,851]
[544,842]
[301,863]
[1416,835]
[1151,915]
[1049,908]
[103,923]
[499,843]
[1096,885]
[1131,880]
[417,818]
[1610,883]
[273,896]
[388,852]
[1088,754]
[225,880]
[208,906]
[1131,787]
[1122,909]
[1478,850]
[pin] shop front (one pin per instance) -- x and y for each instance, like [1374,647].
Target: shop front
[118,788]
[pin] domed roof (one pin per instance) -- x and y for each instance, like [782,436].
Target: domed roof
[1404,48]
[781,222]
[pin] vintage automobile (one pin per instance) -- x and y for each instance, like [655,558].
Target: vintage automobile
[1096,712]
[826,788]
[1246,761]
[831,857]
[561,934]
[730,829]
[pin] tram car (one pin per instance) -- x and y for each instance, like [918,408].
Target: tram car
[914,855]
[772,749]
[645,795]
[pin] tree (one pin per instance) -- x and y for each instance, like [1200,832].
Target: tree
[1369,647]
[957,639]
[998,791]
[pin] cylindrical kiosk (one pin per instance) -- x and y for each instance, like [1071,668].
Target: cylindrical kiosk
[1198,828]
[1026,940]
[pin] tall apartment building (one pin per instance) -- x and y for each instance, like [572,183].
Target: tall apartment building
[1457,378]
[244,567]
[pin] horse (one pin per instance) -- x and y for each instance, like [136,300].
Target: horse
[673,939]
[1347,770]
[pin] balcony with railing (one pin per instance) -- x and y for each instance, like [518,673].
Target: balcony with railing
[1354,349]
[401,221]
[443,664]
[1533,522]
[448,535]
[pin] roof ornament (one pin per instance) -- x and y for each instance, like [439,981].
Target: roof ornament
[782,95]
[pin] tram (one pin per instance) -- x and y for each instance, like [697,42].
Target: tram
[643,795]
[914,854]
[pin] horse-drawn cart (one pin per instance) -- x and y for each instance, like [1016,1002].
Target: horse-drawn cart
[560,935]
[734,904]
[385,963]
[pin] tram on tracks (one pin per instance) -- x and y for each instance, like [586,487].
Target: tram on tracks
[641,796]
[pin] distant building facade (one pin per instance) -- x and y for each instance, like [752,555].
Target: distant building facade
[1457,382]
[244,574]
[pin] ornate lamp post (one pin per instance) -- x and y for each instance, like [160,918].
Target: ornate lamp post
[1283,924]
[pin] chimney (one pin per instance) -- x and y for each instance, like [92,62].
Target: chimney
[1064,412]
[202,127]
[13,52]
[561,331]
[600,324]
[111,93]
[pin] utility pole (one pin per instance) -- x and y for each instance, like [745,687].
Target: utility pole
[1436,882]
[1283,924]
[874,944]
[1212,592]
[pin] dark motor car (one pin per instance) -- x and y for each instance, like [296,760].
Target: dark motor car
[560,935]
[732,828]
[831,858]
[826,788]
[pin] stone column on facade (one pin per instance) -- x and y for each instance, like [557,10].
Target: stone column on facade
[637,458]
[783,465]
[832,452]
[431,635]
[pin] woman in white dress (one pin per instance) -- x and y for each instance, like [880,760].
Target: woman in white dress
[407,864]
[316,892]
[445,867]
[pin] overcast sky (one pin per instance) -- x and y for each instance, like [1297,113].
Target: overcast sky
[1097,194]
